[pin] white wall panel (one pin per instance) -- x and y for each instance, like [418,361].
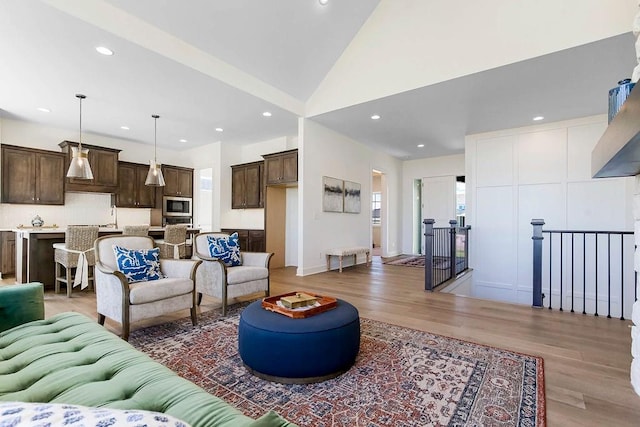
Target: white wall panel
[494,231]
[549,181]
[596,205]
[494,161]
[553,211]
[542,156]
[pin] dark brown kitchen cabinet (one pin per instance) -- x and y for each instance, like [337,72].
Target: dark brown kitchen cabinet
[8,250]
[247,188]
[132,193]
[281,168]
[178,181]
[31,176]
[104,166]
[250,240]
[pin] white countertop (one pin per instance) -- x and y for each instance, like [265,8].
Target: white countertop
[45,229]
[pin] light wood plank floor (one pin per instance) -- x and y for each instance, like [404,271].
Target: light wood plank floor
[586,358]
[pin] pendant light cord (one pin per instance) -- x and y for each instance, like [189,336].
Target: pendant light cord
[155,139]
[80,97]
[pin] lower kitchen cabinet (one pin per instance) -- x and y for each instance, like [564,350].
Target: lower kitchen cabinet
[250,240]
[8,253]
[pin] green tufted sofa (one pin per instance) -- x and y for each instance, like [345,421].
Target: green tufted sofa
[71,359]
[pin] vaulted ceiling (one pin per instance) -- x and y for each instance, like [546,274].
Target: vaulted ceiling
[204,65]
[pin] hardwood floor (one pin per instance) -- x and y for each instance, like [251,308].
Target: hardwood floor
[586,358]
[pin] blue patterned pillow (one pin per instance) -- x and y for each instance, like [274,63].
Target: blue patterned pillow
[21,414]
[138,265]
[225,249]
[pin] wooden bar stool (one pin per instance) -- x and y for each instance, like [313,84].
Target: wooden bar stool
[174,242]
[75,253]
[135,230]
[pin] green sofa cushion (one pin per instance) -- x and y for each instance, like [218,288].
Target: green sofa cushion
[21,304]
[69,358]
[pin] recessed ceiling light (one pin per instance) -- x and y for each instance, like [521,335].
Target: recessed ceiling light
[104,50]
[420,145]
[124,127]
[266,114]
[183,140]
[375,117]
[219,129]
[43,110]
[323,2]
[538,118]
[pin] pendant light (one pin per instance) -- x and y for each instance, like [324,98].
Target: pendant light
[79,167]
[154,177]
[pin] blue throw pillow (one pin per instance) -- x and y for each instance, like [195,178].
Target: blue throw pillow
[225,249]
[138,265]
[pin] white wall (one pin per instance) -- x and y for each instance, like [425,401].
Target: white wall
[291,227]
[539,171]
[327,153]
[418,169]
[409,44]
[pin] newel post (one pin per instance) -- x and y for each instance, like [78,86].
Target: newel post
[453,226]
[537,261]
[428,254]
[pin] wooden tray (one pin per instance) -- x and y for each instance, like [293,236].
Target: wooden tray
[326,303]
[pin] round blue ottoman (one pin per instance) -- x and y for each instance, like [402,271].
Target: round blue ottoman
[299,351]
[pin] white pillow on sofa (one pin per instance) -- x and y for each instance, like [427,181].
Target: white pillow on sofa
[24,414]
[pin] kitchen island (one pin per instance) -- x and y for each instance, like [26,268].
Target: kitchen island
[34,251]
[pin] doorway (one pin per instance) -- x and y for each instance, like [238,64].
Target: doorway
[376,213]
[281,225]
[438,197]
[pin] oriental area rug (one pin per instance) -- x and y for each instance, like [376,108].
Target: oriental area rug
[402,377]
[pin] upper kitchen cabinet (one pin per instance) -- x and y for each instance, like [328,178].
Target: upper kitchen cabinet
[132,193]
[281,168]
[178,181]
[31,176]
[247,186]
[104,165]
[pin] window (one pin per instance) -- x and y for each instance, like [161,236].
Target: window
[376,204]
[460,201]
[204,212]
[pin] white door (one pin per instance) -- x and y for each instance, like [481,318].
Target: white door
[438,200]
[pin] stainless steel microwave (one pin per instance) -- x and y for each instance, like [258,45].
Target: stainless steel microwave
[177,206]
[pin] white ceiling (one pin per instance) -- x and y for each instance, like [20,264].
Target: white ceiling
[203,64]
[560,86]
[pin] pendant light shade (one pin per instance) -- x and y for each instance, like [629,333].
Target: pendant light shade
[154,176]
[79,167]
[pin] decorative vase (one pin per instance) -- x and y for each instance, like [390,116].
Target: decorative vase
[618,95]
[37,221]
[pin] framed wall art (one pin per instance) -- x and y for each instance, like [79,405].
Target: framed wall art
[332,194]
[351,197]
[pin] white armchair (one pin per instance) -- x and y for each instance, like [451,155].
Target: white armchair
[126,302]
[215,279]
